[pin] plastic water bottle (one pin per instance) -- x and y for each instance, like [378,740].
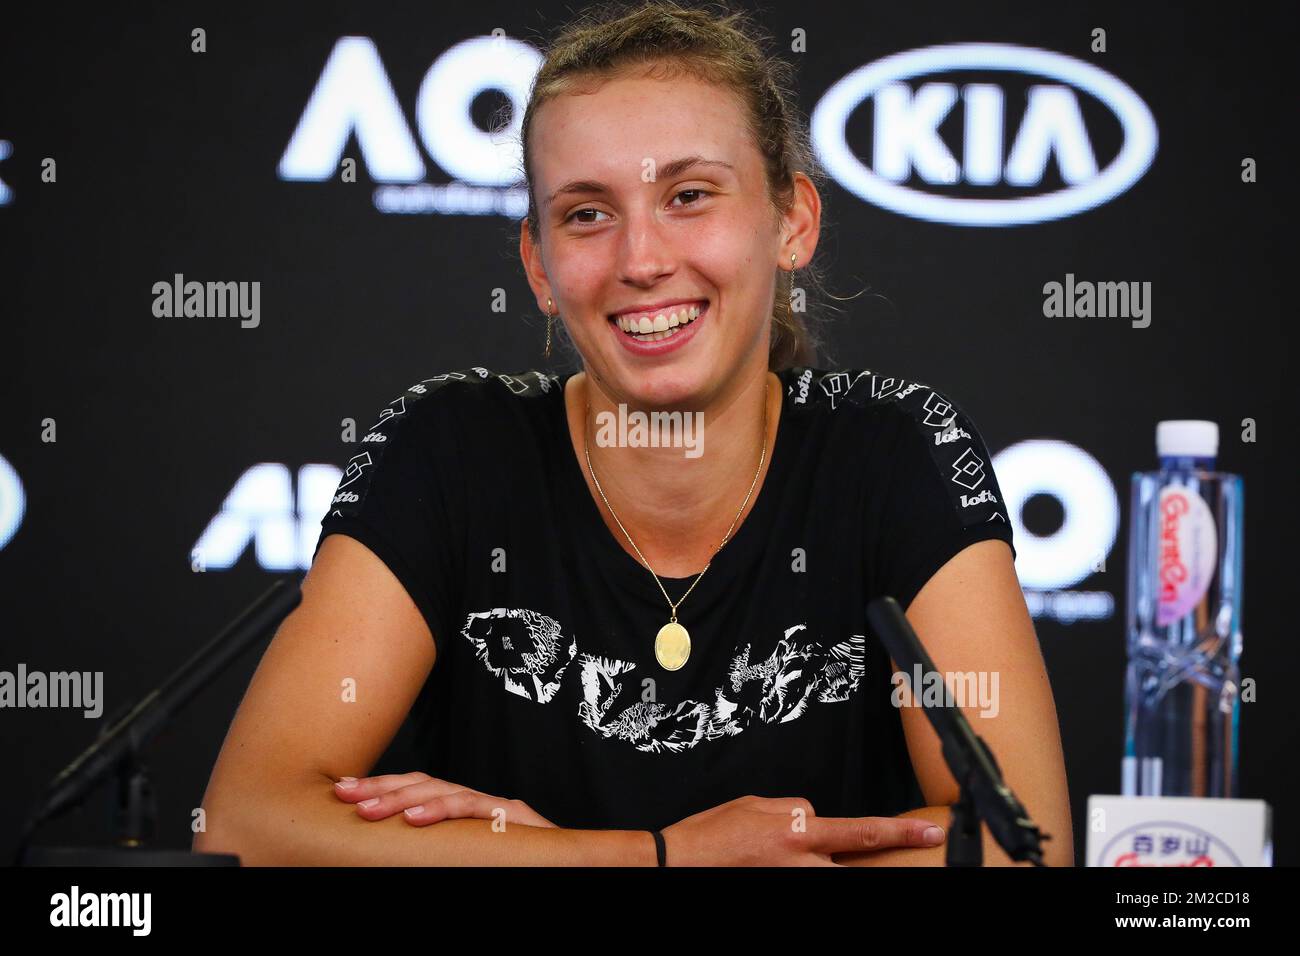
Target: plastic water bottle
[1182,686]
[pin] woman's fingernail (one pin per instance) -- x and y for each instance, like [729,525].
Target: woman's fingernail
[373,801]
[414,811]
[346,783]
[930,836]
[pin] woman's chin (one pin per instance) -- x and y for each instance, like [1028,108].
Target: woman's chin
[666,388]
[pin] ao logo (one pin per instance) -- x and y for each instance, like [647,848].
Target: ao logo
[12,502]
[354,95]
[905,135]
[262,509]
[1086,496]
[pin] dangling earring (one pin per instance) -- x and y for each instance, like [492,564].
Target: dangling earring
[549,317]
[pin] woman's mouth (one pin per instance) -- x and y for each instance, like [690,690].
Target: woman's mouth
[661,326]
[648,327]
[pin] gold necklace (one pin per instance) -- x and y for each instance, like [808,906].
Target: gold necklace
[673,642]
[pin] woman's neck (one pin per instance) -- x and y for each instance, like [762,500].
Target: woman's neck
[678,508]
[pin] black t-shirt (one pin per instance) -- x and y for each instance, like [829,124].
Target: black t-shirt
[546,688]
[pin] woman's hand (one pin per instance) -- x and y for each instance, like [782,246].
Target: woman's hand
[783,831]
[422,800]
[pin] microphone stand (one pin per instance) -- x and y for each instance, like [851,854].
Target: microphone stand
[118,752]
[982,795]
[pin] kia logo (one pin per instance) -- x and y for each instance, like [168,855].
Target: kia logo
[906,144]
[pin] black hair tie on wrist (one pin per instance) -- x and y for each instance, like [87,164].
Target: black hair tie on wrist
[661,851]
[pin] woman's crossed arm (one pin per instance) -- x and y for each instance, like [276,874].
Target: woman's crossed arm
[971,617]
[328,696]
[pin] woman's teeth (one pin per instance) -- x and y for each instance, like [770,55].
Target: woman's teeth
[662,326]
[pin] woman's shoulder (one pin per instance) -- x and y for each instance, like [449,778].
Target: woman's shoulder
[444,417]
[905,413]
[933,447]
[476,390]
[478,383]
[876,392]
[926,431]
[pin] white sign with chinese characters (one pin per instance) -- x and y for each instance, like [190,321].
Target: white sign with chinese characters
[1178,831]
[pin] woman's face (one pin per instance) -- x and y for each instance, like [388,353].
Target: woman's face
[625,225]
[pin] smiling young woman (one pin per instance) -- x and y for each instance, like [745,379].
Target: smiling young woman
[640,650]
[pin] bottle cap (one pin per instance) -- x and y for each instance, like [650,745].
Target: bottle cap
[1187,438]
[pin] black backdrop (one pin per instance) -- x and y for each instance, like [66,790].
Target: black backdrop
[167,162]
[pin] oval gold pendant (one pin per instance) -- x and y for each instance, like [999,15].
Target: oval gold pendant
[672,646]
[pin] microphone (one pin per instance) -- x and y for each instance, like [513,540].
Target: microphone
[128,736]
[969,758]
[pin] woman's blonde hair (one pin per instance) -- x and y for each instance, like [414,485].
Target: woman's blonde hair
[715,44]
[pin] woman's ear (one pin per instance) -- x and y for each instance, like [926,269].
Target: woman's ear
[801,225]
[530,254]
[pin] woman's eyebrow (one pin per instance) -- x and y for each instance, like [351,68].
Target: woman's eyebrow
[668,170]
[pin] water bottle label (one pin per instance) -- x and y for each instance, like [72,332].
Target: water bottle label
[1189,546]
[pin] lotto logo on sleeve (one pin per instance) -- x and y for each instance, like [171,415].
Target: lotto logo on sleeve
[885,386]
[837,384]
[395,408]
[356,466]
[968,470]
[938,411]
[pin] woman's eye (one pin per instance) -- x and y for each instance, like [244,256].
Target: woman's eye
[573,215]
[696,192]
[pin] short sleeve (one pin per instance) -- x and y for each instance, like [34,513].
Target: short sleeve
[940,494]
[401,495]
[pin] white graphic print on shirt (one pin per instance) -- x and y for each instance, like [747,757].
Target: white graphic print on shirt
[528,652]
[530,663]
